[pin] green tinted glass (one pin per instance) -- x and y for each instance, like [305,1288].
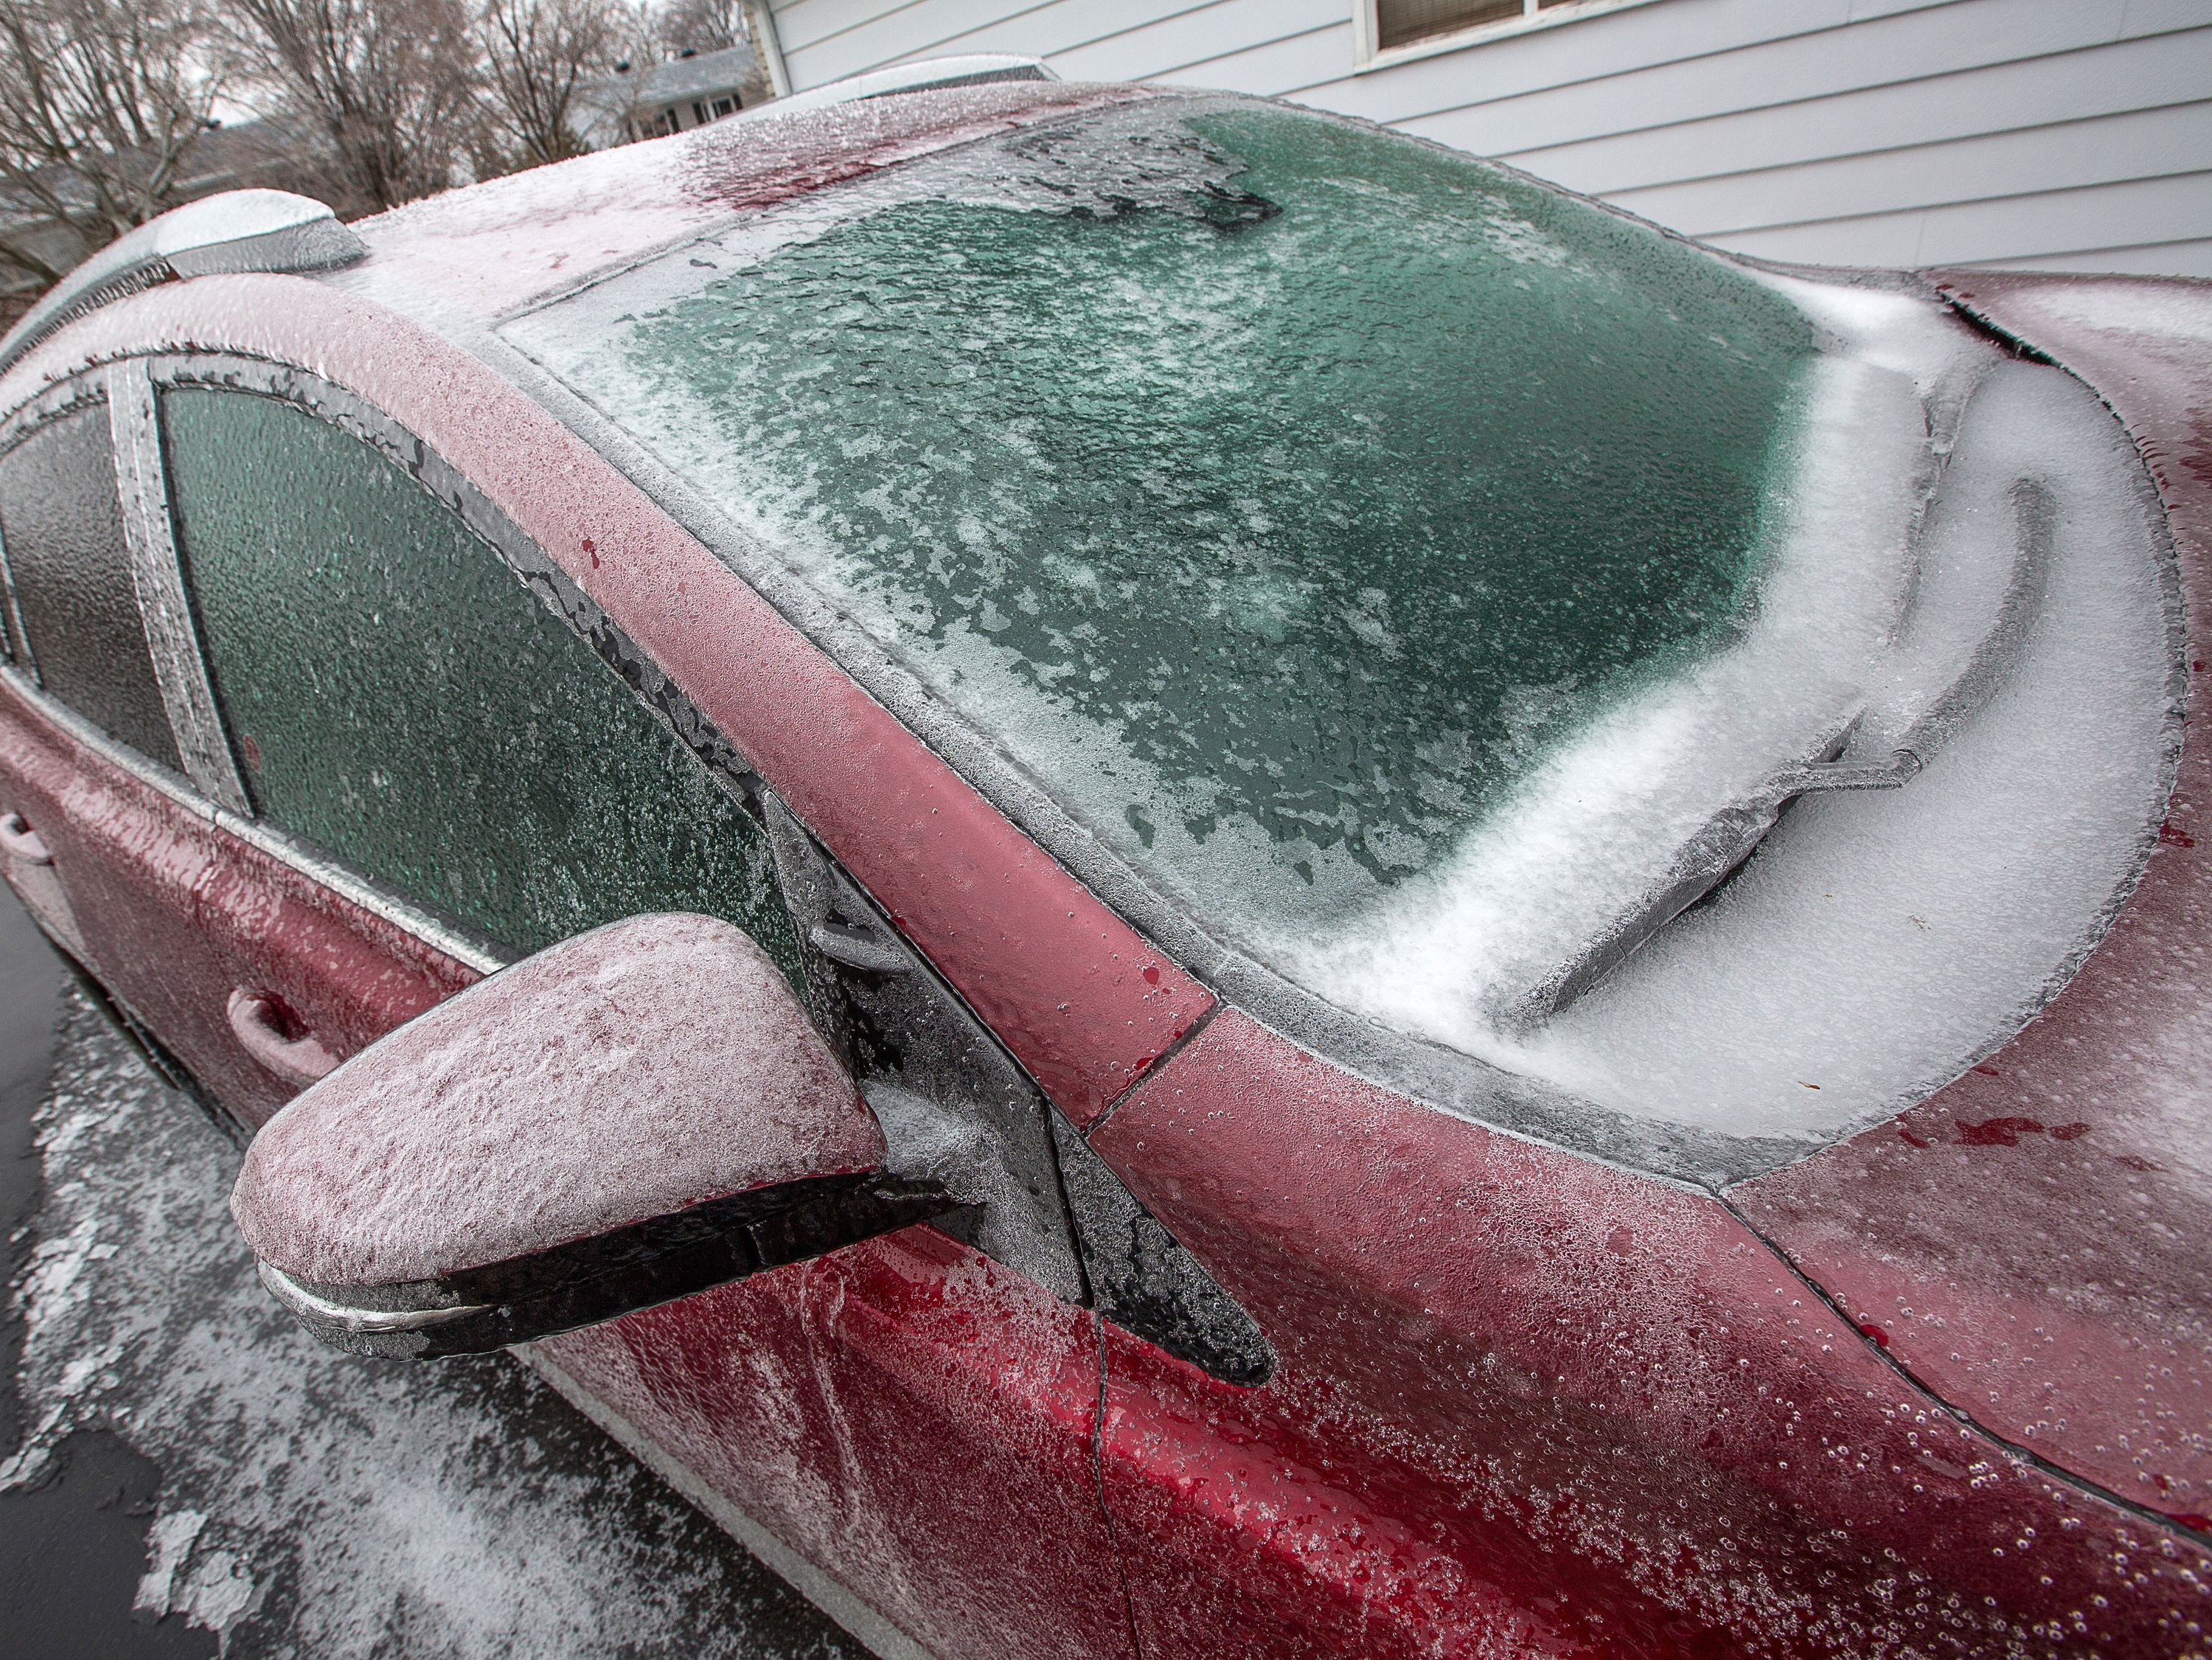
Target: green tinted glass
[399,698]
[61,528]
[1276,491]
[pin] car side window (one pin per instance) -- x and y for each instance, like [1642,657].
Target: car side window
[69,583]
[398,698]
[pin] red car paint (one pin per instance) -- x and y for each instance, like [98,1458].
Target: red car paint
[2030,1239]
[1527,1399]
[908,1412]
[180,915]
[1527,1402]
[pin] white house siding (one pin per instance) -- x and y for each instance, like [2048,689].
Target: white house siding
[2041,134]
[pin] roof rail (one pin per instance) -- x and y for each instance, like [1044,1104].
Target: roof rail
[239,230]
[932,74]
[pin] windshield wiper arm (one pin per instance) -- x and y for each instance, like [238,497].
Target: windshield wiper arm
[1712,854]
[1986,670]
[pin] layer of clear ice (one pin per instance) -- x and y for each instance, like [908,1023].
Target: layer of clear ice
[1872,947]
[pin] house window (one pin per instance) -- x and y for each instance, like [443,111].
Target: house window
[724,106]
[1393,28]
[698,115]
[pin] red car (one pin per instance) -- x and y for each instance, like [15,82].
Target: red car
[1267,894]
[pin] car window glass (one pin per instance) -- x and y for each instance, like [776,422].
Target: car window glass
[397,697]
[1431,584]
[61,527]
[1238,470]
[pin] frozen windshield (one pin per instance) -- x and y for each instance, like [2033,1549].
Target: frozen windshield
[1394,562]
[1278,499]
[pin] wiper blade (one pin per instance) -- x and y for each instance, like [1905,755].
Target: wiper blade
[1989,668]
[1716,852]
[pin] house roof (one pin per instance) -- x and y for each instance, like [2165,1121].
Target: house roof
[675,79]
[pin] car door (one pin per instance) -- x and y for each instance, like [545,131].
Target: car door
[107,833]
[424,715]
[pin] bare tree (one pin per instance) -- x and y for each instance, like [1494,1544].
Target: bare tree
[703,25]
[101,103]
[387,88]
[545,65]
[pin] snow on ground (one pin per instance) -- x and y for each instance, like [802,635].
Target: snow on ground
[314,1503]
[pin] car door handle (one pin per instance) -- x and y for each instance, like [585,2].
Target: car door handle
[255,1023]
[857,950]
[19,841]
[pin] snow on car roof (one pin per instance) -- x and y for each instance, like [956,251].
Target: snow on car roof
[487,248]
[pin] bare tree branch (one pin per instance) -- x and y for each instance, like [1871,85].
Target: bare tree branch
[387,86]
[101,103]
[543,62]
[703,26]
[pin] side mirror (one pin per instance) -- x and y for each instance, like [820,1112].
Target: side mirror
[635,1114]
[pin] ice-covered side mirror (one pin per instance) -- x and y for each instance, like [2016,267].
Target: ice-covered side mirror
[636,1113]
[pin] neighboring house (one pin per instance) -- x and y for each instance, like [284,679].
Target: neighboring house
[2058,134]
[687,90]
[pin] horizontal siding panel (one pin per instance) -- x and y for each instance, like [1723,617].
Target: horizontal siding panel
[1856,131]
[934,28]
[2108,81]
[2022,229]
[1141,54]
[1681,32]
[800,24]
[1570,54]
[1633,124]
[1265,71]
[1052,31]
[2073,155]
[2159,259]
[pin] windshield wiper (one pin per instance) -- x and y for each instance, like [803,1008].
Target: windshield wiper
[1715,852]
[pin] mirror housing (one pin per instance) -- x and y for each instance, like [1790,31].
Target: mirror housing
[632,1115]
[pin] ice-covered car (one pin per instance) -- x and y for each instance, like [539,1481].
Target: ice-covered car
[1248,890]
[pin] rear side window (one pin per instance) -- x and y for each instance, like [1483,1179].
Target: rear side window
[398,698]
[68,570]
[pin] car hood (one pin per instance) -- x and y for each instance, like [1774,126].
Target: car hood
[2029,1241]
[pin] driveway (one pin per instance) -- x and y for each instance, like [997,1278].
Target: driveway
[191,1473]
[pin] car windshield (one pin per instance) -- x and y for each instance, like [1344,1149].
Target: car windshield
[1278,500]
[1393,561]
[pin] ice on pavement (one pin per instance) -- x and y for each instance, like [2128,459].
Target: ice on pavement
[1396,564]
[314,1504]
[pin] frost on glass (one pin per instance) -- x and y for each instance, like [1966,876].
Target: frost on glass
[1280,496]
[61,526]
[398,698]
[1402,565]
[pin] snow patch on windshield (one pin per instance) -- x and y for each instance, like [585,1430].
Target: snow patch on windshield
[1456,953]
[1877,943]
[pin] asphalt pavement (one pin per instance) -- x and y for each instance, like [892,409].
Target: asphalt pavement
[183,1471]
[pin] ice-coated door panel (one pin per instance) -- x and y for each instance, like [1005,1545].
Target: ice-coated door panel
[427,711]
[911,1418]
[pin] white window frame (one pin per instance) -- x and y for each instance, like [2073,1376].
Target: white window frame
[1365,30]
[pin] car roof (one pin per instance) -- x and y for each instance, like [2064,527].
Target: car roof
[459,260]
